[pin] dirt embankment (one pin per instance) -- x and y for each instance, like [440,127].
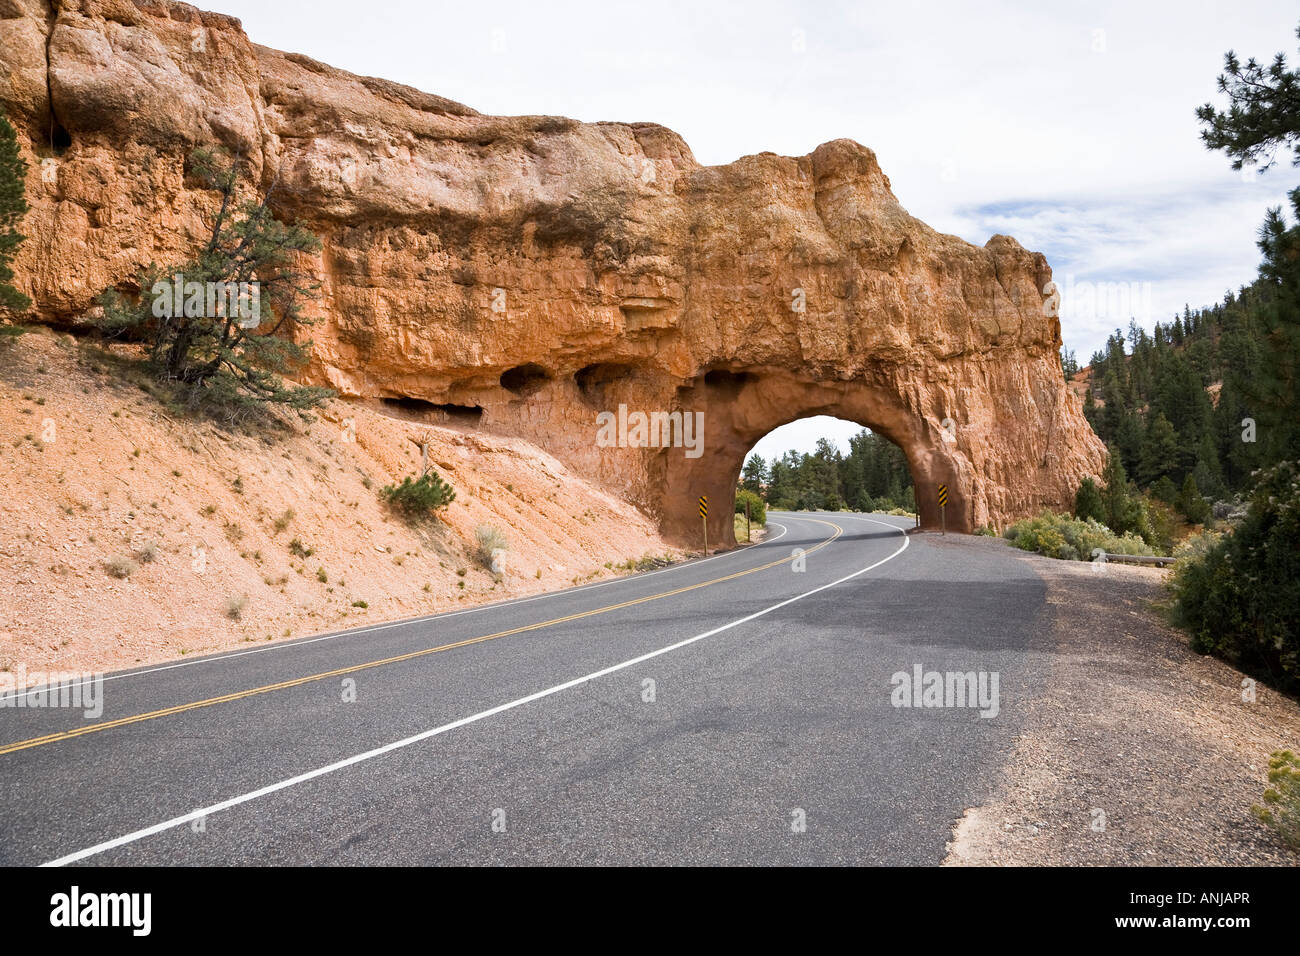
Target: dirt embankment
[228,536]
[1137,751]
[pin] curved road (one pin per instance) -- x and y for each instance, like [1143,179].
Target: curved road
[729,710]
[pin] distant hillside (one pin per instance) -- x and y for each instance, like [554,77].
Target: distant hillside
[1173,402]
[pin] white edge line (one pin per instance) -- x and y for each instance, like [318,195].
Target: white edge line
[473,718]
[356,632]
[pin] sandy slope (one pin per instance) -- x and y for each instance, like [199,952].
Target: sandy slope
[94,468]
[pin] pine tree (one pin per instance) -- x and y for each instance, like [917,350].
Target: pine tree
[1165,490]
[1273,387]
[1208,474]
[1263,112]
[13,206]
[1069,364]
[218,360]
[1190,502]
[1088,502]
[1159,450]
[1117,503]
[754,475]
[1263,117]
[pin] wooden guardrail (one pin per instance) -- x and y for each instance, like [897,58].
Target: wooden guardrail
[1140,559]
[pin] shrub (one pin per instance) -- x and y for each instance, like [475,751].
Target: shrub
[757,507]
[13,206]
[1238,594]
[1281,808]
[235,605]
[1060,536]
[147,554]
[1161,526]
[300,550]
[120,566]
[419,497]
[488,539]
[1087,501]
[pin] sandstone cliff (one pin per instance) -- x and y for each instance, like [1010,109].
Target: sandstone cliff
[524,274]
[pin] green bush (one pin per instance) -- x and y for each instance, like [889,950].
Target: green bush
[1088,502]
[757,507]
[1281,808]
[419,497]
[1060,536]
[1239,595]
[1160,525]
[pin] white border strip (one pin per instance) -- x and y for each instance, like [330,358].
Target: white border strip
[473,718]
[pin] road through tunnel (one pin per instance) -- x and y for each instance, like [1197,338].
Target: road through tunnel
[737,408]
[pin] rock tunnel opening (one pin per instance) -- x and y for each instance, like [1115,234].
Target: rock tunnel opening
[901,450]
[823,463]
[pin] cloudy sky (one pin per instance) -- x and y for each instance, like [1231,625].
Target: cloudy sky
[1070,126]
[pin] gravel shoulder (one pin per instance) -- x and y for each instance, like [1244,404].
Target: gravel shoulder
[1137,751]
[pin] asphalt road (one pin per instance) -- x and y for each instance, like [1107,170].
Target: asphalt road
[733,710]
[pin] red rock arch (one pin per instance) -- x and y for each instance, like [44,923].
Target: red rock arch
[522,274]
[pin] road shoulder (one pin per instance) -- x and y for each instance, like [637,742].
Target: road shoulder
[1136,750]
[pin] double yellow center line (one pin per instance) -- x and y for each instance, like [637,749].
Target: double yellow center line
[298,681]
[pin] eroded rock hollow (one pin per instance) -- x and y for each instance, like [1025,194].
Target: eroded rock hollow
[523,275]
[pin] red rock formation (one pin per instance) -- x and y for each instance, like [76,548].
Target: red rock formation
[528,273]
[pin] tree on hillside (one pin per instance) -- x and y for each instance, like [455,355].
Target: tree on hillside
[754,474]
[1159,450]
[1263,116]
[1191,504]
[13,206]
[1274,386]
[1121,512]
[1263,112]
[1069,364]
[1088,502]
[225,350]
[781,490]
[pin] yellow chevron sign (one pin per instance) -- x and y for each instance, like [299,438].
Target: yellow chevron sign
[943,496]
[704,506]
